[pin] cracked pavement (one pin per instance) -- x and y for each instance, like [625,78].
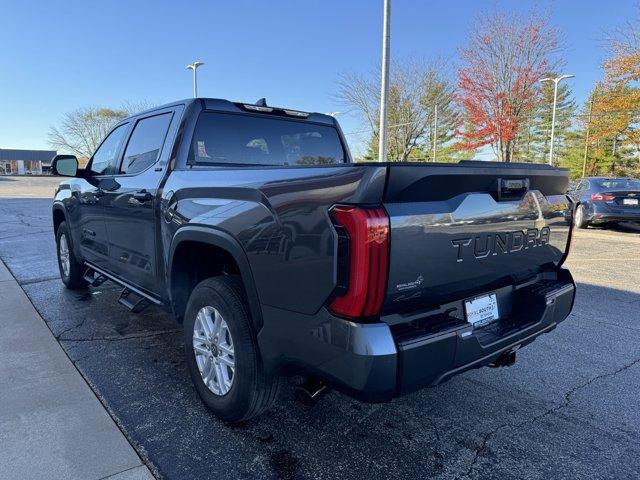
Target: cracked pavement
[568,408]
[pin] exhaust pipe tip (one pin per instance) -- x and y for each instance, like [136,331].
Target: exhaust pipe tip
[505,360]
[310,391]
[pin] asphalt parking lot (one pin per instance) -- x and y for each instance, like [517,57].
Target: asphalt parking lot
[567,409]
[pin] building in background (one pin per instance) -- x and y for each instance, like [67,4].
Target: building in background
[25,162]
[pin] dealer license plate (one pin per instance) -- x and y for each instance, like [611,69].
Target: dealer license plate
[482,310]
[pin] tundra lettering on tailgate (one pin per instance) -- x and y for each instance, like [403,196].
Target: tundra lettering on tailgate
[489,244]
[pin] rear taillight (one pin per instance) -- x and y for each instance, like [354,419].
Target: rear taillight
[368,260]
[601,197]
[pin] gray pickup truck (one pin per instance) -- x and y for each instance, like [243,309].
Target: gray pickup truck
[281,256]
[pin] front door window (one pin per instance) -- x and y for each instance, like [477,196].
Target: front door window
[105,159]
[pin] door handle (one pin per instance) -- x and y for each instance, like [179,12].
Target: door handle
[143,196]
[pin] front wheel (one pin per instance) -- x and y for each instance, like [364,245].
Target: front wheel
[70,268]
[222,353]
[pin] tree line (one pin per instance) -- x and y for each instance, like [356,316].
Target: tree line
[495,102]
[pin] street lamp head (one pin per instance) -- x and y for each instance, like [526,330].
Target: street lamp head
[194,65]
[556,79]
[194,68]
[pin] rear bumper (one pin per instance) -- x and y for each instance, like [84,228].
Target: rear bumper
[615,217]
[605,213]
[434,359]
[376,362]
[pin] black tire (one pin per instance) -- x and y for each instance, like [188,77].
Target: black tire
[580,220]
[252,390]
[73,279]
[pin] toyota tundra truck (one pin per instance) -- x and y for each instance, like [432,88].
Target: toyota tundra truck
[279,255]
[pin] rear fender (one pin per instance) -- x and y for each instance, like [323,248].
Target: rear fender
[225,241]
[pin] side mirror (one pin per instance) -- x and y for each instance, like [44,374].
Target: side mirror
[65,165]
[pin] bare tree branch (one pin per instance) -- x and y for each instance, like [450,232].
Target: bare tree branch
[81,131]
[416,86]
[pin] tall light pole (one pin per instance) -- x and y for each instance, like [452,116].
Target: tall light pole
[384,83]
[555,81]
[435,131]
[194,66]
[586,138]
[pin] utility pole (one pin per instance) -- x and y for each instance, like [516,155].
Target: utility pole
[586,138]
[553,115]
[435,131]
[553,119]
[384,83]
[194,66]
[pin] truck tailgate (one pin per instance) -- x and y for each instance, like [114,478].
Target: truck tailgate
[459,230]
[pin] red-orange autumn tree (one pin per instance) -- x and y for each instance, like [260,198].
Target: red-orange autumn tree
[498,80]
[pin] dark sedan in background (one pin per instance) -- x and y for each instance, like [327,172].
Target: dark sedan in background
[605,200]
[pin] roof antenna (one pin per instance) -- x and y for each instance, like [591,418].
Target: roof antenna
[262,102]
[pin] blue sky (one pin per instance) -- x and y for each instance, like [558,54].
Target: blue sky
[57,56]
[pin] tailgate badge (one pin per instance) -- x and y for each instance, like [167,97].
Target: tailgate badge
[490,244]
[401,287]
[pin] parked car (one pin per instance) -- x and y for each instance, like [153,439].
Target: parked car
[280,256]
[604,200]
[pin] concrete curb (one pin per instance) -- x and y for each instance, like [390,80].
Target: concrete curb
[51,423]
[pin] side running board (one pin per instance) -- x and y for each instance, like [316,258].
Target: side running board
[133,301]
[94,278]
[131,297]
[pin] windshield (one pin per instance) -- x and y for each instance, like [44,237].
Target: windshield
[247,139]
[619,184]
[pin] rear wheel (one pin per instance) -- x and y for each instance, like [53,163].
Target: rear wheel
[222,353]
[70,268]
[580,220]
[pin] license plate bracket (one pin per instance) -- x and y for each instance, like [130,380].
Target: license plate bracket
[482,310]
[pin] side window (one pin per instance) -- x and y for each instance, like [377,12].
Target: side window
[106,155]
[145,143]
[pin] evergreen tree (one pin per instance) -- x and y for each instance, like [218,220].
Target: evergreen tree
[533,140]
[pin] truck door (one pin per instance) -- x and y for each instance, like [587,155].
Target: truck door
[90,231]
[131,206]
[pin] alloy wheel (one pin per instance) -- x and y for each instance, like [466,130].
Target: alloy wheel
[213,349]
[63,252]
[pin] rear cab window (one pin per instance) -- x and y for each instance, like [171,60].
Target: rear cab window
[145,143]
[244,139]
